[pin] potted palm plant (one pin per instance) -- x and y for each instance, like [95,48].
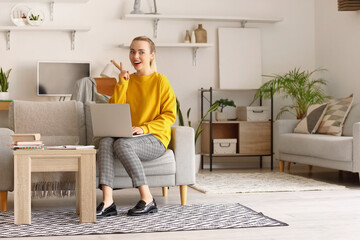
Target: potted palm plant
[220,115]
[4,84]
[198,129]
[296,85]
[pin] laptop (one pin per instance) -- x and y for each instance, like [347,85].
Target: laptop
[111,120]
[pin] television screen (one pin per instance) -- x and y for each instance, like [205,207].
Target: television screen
[58,78]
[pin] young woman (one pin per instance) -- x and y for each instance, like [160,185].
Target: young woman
[153,110]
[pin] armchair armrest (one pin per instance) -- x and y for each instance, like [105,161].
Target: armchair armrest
[356,147]
[281,127]
[6,161]
[183,145]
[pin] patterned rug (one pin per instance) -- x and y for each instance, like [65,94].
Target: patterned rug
[247,181]
[64,222]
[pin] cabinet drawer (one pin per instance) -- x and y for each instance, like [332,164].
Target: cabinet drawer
[254,138]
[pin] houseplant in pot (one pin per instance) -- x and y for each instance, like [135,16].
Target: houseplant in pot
[220,115]
[198,129]
[4,84]
[296,85]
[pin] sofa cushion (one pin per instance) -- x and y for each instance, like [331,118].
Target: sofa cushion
[164,165]
[88,123]
[335,115]
[337,148]
[312,120]
[353,117]
[57,122]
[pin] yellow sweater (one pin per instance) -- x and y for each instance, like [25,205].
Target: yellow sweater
[152,103]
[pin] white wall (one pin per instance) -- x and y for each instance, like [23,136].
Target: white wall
[285,45]
[337,48]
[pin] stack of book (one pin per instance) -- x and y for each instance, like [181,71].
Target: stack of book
[28,141]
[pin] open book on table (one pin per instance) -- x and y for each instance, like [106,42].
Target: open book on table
[70,147]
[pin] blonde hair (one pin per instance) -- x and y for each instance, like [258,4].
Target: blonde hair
[152,50]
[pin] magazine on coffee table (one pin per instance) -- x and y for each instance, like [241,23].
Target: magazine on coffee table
[69,147]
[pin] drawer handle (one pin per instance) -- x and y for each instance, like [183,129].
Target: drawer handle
[258,111]
[225,145]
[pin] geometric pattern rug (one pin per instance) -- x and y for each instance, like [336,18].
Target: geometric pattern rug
[65,222]
[252,181]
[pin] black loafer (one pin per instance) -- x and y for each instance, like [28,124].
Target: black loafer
[106,212]
[142,209]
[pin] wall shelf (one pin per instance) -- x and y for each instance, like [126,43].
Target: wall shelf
[157,17]
[45,1]
[194,46]
[51,3]
[203,18]
[71,29]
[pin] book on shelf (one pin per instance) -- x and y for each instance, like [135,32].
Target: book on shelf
[28,147]
[28,143]
[70,147]
[24,137]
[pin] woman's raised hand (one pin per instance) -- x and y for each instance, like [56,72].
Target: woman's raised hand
[123,73]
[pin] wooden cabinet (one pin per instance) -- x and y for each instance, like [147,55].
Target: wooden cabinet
[4,105]
[253,138]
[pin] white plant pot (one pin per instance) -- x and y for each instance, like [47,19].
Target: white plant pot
[197,162]
[4,96]
[221,116]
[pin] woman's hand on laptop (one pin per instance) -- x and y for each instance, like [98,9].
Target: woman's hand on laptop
[137,131]
[123,73]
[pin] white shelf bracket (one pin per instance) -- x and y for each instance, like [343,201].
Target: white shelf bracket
[243,22]
[156,23]
[195,49]
[8,33]
[73,35]
[51,11]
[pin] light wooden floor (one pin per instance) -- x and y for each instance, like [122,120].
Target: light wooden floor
[327,215]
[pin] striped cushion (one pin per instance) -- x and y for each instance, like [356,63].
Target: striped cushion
[312,120]
[335,115]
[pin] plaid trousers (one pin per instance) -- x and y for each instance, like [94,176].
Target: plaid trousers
[130,152]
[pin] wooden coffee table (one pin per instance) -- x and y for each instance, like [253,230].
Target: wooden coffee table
[80,161]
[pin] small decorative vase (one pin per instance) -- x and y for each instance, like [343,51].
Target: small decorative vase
[201,34]
[221,116]
[193,37]
[4,96]
[137,7]
[187,37]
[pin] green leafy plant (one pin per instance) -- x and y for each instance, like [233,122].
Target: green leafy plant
[296,85]
[4,80]
[34,18]
[225,103]
[198,130]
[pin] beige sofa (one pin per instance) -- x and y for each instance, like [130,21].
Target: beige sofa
[335,152]
[69,122]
